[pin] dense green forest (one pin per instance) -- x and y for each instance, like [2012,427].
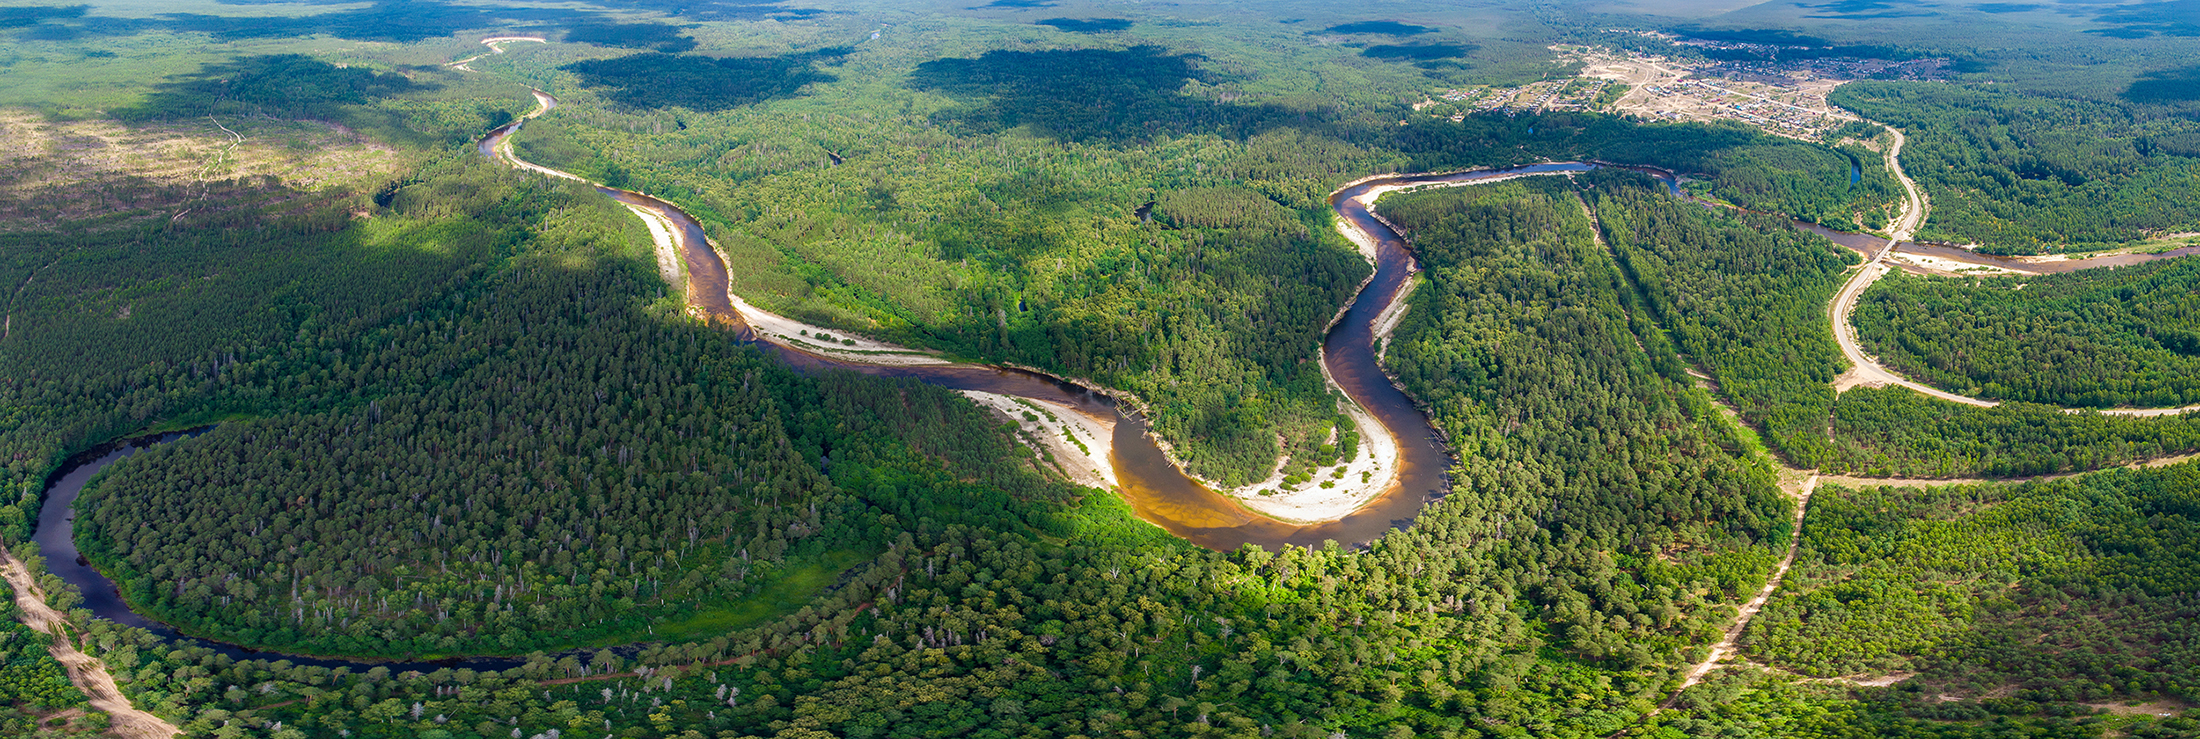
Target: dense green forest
[2013,598]
[1899,433]
[617,471]
[1002,225]
[307,546]
[1742,294]
[1745,297]
[1530,607]
[2094,338]
[1521,338]
[1074,619]
[455,411]
[243,311]
[32,684]
[2024,174]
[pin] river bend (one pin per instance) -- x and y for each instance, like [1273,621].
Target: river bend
[1157,489]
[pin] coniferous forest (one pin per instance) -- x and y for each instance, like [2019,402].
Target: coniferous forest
[32,684]
[2072,590]
[470,467]
[2118,337]
[2026,174]
[1743,298]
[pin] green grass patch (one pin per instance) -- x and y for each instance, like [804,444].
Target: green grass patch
[803,582]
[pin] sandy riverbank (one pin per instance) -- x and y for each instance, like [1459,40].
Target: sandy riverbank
[1374,470]
[667,249]
[841,345]
[1946,267]
[1371,472]
[1077,444]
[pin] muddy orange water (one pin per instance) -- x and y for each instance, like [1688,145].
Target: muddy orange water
[1155,487]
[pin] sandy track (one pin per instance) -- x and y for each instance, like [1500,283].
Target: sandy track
[1726,646]
[496,45]
[1865,369]
[87,672]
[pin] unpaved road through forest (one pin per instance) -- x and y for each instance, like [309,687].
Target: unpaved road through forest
[99,686]
[1865,369]
[87,672]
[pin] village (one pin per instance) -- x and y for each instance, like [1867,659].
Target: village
[1785,98]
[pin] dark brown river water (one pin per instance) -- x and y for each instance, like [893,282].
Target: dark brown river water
[1154,486]
[1159,491]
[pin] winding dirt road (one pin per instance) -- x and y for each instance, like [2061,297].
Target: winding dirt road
[1865,369]
[495,44]
[87,672]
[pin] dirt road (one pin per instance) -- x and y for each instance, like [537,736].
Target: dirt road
[1865,369]
[88,673]
[1726,646]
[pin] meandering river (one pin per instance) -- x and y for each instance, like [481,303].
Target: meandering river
[1158,490]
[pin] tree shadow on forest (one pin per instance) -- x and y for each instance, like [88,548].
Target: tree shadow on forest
[65,23]
[701,83]
[1425,56]
[278,85]
[711,10]
[2176,18]
[1863,10]
[1088,25]
[1090,95]
[1380,28]
[389,20]
[2168,86]
[33,15]
[657,36]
